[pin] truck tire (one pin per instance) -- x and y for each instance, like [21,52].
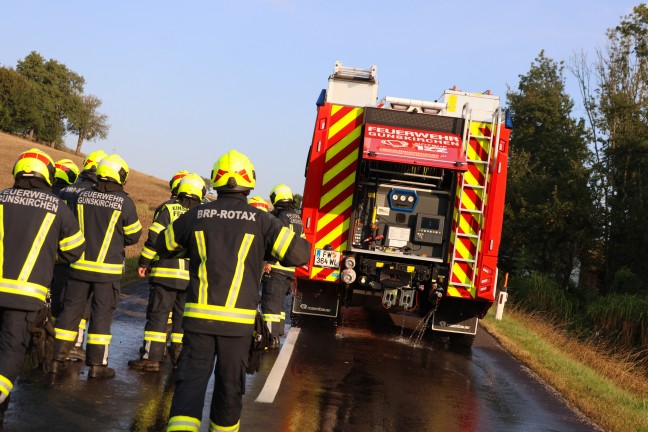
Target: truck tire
[461,340]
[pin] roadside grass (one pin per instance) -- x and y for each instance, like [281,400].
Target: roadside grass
[609,388]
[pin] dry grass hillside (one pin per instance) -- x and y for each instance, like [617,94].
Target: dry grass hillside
[147,191]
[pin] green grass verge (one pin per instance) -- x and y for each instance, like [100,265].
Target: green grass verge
[564,365]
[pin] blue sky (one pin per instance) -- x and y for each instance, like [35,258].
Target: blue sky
[184,82]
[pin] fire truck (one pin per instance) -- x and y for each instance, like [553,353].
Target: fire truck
[403,205]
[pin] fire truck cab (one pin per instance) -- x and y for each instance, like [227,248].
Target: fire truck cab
[403,205]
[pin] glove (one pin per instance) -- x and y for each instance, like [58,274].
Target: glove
[259,342]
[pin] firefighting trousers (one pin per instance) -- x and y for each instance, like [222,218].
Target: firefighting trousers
[57,288]
[178,312]
[193,374]
[162,300]
[274,286]
[14,340]
[105,296]
[57,291]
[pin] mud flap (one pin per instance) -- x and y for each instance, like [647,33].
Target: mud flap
[316,298]
[447,324]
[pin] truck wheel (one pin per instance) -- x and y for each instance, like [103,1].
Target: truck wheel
[461,340]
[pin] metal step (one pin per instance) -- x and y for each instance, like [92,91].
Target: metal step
[466,260]
[467,235]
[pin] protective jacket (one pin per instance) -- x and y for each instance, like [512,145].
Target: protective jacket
[289,217]
[47,229]
[226,241]
[109,221]
[169,272]
[69,194]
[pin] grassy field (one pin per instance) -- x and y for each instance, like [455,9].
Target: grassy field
[147,191]
[609,388]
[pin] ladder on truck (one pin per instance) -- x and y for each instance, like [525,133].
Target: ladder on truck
[477,213]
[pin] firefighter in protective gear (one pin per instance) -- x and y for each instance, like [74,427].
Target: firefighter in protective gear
[85,180]
[174,323]
[226,241]
[277,279]
[108,218]
[66,173]
[168,279]
[35,227]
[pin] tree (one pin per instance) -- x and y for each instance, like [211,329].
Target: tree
[622,117]
[86,122]
[19,103]
[298,201]
[57,87]
[549,207]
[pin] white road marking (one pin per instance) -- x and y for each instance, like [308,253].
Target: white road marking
[273,382]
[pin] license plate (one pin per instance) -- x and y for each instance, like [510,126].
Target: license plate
[327,258]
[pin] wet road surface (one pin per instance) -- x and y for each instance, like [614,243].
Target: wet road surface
[365,375]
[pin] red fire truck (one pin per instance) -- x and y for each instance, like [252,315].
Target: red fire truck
[403,205]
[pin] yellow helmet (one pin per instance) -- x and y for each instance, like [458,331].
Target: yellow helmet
[175,181]
[233,172]
[192,185]
[113,167]
[258,202]
[92,160]
[281,192]
[35,163]
[66,170]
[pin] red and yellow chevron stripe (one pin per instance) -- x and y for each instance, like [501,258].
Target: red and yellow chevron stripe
[468,217]
[338,183]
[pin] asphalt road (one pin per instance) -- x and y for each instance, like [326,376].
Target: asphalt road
[365,375]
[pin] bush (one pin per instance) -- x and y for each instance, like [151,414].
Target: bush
[537,292]
[626,282]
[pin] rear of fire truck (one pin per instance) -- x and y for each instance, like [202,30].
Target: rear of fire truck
[403,205]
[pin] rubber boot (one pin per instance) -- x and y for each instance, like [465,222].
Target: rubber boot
[274,342]
[61,350]
[145,365]
[175,350]
[101,371]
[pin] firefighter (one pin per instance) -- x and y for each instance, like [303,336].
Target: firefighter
[225,241]
[108,218]
[168,279]
[175,316]
[86,179]
[35,227]
[277,279]
[67,172]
